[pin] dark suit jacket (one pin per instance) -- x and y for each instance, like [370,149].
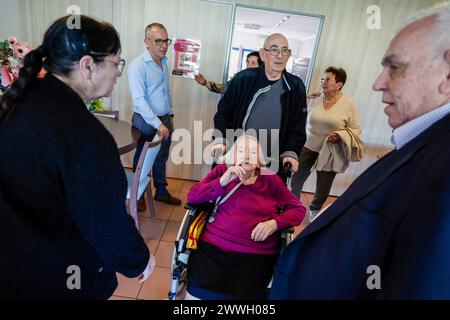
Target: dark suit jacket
[396,215]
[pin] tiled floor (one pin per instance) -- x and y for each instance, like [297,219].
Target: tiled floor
[159,234]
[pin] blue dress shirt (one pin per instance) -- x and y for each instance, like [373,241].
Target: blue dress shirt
[149,87]
[411,129]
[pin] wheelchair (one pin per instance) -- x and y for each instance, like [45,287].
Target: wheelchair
[180,257]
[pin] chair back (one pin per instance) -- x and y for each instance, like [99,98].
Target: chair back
[143,170]
[149,153]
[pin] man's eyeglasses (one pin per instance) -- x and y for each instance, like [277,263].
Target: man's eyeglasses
[160,42]
[119,65]
[275,51]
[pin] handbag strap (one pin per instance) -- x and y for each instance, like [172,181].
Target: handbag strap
[221,200]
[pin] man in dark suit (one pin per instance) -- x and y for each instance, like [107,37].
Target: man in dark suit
[388,235]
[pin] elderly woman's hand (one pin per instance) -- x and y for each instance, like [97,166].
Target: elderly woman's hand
[334,138]
[263,230]
[231,174]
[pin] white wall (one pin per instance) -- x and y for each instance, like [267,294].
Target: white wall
[9,20]
[306,48]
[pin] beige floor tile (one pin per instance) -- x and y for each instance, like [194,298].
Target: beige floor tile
[127,288]
[187,185]
[175,185]
[171,231]
[162,210]
[152,228]
[119,298]
[157,285]
[183,197]
[164,254]
[152,245]
[178,213]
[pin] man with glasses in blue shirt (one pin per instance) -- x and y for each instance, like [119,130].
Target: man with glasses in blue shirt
[149,86]
[267,98]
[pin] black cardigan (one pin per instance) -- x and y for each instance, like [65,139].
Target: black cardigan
[62,200]
[233,107]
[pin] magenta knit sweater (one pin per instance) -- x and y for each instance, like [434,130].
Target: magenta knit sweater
[249,205]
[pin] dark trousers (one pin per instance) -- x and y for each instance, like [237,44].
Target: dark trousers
[325,179]
[159,166]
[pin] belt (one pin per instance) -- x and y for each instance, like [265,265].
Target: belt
[167,116]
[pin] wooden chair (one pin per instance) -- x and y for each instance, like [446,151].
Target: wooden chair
[108,114]
[139,181]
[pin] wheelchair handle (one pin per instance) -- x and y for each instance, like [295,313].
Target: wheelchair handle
[287,167]
[287,171]
[289,230]
[217,155]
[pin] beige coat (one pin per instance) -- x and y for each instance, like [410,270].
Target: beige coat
[336,157]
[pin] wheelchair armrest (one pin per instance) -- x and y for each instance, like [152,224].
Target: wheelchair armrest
[289,230]
[206,206]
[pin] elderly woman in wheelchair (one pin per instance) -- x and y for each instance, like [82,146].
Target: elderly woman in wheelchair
[237,249]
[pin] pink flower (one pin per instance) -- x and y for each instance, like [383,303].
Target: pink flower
[21,50]
[7,77]
[12,41]
[15,73]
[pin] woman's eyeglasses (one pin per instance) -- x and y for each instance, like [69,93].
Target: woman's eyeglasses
[119,65]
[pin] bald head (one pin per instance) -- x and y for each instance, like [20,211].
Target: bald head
[437,22]
[272,37]
[275,55]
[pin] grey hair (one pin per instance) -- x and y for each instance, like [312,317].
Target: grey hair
[230,156]
[441,11]
[441,14]
[155,25]
[273,35]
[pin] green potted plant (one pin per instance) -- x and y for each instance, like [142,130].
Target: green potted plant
[96,105]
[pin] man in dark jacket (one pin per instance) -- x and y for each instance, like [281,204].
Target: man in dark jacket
[267,98]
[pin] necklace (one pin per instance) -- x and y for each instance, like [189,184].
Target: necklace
[333,101]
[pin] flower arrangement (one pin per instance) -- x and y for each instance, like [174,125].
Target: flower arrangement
[12,53]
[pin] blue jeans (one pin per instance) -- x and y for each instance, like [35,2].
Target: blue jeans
[159,166]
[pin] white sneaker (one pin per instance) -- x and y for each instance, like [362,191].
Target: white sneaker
[313,215]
